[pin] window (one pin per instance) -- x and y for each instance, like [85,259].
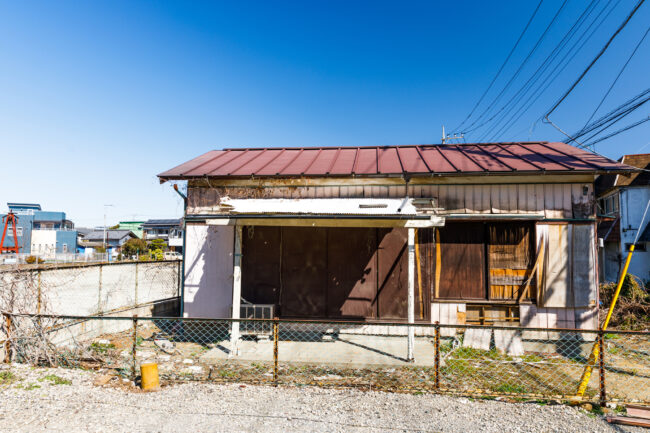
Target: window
[639,246]
[65,248]
[484,260]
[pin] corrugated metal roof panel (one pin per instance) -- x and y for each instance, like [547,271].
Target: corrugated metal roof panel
[474,158]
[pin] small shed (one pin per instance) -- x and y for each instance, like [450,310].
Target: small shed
[478,233]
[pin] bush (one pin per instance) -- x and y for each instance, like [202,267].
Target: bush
[632,309]
[30,260]
[144,258]
[134,247]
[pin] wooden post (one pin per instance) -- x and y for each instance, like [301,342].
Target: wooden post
[8,348]
[135,345]
[436,362]
[135,291]
[39,294]
[601,368]
[276,333]
[236,293]
[411,294]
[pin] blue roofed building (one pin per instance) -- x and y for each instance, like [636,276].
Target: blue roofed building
[42,233]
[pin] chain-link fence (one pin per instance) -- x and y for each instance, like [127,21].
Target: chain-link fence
[486,361]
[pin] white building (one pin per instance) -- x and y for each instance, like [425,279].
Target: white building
[622,200]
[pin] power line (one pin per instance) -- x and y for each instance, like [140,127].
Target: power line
[633,125]
[541,70]
[530,20]
[523,63]
[616,79]
[593,62]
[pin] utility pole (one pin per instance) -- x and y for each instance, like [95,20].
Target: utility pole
[446,138]
[104,237]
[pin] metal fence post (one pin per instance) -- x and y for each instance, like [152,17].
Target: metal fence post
[135,344]
[436,362]
[276,332]
[601,367]
[39,294]
[8,348]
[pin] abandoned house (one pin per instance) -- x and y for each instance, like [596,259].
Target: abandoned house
[471,233]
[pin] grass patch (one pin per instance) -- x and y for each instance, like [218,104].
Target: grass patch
[101,347]
[55,380]
[7,377]
[28,387]
[511,388]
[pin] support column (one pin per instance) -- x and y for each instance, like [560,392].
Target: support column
[411,293]
[236,293]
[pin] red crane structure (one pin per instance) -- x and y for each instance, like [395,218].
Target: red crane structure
[12,219]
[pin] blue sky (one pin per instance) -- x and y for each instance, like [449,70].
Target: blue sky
[99,97]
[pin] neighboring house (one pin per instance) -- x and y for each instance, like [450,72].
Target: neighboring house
[42,233]
[500,232]
[134,226]
[169,230]
[622,200]
[112,239]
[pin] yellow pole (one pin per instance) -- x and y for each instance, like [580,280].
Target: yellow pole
[586,375]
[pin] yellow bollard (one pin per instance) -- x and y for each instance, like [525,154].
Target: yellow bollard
[149,375]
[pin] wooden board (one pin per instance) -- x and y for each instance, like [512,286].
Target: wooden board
[477,338]
[304,272]
[261,264]
[510,259]
[508,342]
[462,261]
[558,293]
[584,265]
[637,411]
[392,274]
[627,420]
[352,272]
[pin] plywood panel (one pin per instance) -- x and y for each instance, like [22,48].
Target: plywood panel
[352,272]
[584,265]
[462,261]
[557,288]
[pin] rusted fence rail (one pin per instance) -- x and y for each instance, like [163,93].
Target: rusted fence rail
[486,361]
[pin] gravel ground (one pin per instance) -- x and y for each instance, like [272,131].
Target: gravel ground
[40,399]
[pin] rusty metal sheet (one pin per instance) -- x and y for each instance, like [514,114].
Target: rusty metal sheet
[277,165]
[485,159]
[411,160]
[462,261]
[304,272]
[434,159]
[352,272]
[366,162]
[344,162]
[459,160]
[387,161]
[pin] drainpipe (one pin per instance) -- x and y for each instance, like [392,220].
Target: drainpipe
[182,276]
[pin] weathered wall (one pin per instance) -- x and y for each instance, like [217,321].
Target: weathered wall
[89,289]
[208,270]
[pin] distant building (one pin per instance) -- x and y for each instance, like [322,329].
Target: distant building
[112,239]
[621,201]
[40,232]
[169,230]
[134,226]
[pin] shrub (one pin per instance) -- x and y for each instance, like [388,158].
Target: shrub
[30,260]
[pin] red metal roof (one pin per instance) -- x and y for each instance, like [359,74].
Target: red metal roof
[477,159]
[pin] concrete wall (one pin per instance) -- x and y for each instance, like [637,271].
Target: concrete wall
[92,290]
[208,271]
[633,201]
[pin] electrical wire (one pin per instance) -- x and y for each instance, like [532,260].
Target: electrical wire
[615,80]
[530,20]
[541,70]
[593,62]
[516,74]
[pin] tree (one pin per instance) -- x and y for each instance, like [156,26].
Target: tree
[158,244]
[133,247]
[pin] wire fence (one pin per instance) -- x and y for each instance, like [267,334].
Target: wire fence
[481,361]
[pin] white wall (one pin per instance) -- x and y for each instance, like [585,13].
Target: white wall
[46,239]
[208,271]
[633,201]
